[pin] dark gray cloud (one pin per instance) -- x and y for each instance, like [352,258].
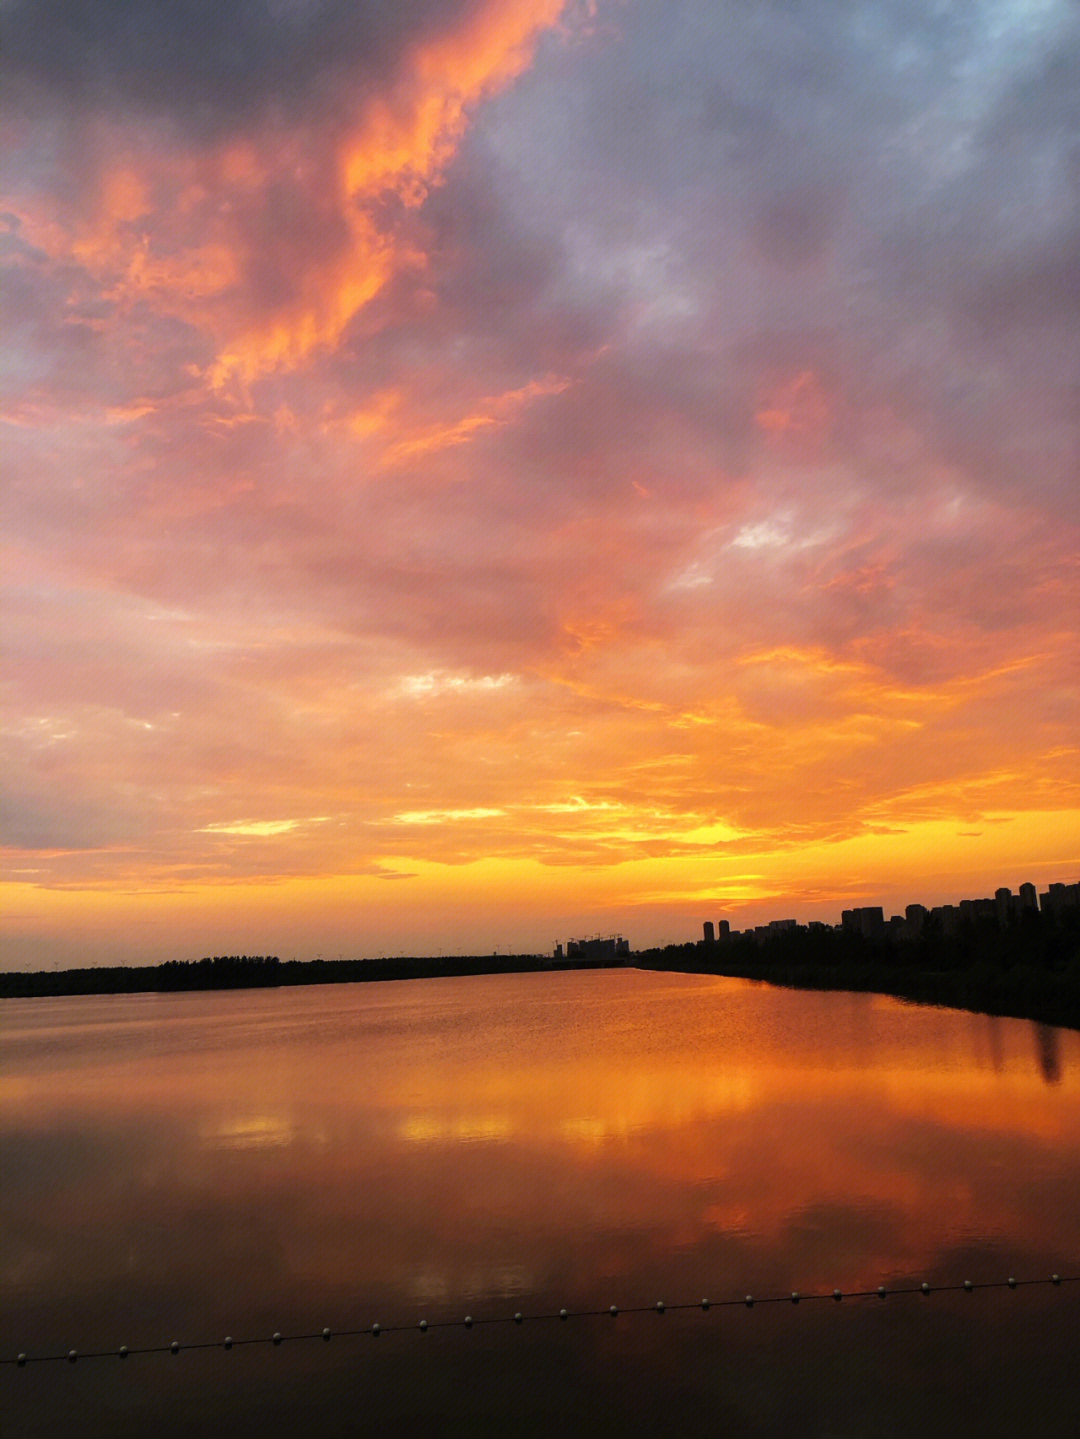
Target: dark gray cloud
[900,182]
[205,63]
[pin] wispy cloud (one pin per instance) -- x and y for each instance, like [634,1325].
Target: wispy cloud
[443,816]
[260,828]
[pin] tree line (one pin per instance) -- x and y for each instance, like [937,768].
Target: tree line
[242,971]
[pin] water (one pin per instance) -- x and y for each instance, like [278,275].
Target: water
[191,1166]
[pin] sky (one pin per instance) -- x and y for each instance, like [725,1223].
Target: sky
[481,473]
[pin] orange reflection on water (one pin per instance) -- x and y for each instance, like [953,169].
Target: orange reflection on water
[507,1134]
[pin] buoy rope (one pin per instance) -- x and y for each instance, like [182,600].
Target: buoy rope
[469,1322]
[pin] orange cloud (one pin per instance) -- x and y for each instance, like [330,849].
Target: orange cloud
[797,410]
[398,147]
[122,196]
[493,410]
[191,226]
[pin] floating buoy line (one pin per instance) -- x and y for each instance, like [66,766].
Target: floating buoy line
[424,1326]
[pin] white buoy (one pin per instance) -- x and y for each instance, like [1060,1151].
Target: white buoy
[423,1326]
[1011,1282]
[881,1291]
[749,1301]
[73,1354]
[228,1341]
[123,1351]
[563,1314]
[468,1321]
[659,1306]
[968,1285]
[704,1304]
[376,1330]
[518,1317]
[837,1295]
[174,1347]
[613,1310]
[925,1287]
[794,1296]
[20,1360]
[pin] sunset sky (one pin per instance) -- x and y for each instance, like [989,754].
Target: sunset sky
[477,473]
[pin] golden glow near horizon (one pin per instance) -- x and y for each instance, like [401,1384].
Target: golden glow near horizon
[452,502]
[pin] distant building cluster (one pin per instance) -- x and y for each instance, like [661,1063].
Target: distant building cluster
[723,931]
[597,946]
[1005,908]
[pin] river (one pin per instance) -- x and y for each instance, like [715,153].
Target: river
[183,1167]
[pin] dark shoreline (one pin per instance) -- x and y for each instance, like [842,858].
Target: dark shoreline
[1027,970]
[1053,1004]
[1023,973]
[242,972]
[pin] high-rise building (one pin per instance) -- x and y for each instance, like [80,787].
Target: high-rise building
[871,920]
[1059,898]
[916,916]
[710,933]
[975,909]
[1003,900]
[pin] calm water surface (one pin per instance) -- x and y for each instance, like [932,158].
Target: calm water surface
[191,1166]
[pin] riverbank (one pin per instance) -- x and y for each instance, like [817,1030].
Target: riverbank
[266,972]
[1016,994]
[1024,975]
[1030,972]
